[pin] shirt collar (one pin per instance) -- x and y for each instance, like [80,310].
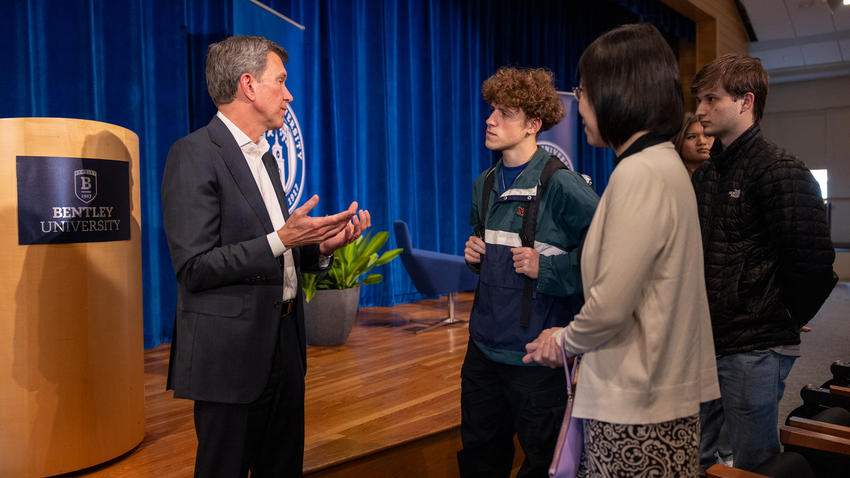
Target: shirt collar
[647,140]
[737,148]
[537,161]
[242,139]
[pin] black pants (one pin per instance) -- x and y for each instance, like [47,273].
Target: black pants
[498,401]
[265,436]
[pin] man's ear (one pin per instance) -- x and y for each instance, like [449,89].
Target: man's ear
[749,100]
[533,126]
[246,85]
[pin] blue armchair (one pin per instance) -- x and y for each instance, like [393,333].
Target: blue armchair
[434,273]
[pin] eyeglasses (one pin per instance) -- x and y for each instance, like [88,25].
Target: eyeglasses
[577,91]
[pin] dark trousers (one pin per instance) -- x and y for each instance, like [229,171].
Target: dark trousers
[265,436]
[498,401]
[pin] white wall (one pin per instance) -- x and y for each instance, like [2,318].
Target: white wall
[811,119]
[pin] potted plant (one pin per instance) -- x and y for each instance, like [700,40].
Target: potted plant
[331,300]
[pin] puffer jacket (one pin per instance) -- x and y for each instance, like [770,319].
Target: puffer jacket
[766,240]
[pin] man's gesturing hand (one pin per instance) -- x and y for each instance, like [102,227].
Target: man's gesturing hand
[301,229]
[349,233]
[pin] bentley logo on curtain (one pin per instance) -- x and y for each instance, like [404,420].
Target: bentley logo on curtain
[561,141]
[251,17]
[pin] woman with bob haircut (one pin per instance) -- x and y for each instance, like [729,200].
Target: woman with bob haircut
[644,330]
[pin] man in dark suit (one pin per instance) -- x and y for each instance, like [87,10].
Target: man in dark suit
[239,347]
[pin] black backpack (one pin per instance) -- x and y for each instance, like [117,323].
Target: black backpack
[529,222]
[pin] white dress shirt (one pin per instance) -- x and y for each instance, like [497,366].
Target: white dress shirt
[253,153]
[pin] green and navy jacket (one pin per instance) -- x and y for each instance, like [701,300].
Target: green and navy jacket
[563,218]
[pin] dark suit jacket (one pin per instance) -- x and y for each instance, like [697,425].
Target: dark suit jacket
[229,283]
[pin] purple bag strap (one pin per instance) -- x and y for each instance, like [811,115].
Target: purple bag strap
[567,456]
[570,380]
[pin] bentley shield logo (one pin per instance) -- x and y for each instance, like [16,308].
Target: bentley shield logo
[287,146]
[66,200]
[85,185]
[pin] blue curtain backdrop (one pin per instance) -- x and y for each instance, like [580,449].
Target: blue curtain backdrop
[392,110]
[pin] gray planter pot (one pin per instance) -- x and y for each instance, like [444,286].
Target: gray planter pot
[330,316]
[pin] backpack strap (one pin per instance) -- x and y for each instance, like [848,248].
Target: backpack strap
[529,227]
[529,219]
[489,179]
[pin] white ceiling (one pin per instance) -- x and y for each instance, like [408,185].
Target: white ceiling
[800,39]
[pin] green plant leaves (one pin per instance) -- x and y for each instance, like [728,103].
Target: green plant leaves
[388,256]
[351,262]
[372,279]
[308,283]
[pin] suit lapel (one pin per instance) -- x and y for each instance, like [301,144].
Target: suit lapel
[238,166]
[274,175]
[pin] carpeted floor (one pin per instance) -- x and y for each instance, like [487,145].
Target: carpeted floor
[828,341]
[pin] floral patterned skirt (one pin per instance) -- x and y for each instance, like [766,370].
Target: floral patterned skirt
[667,449]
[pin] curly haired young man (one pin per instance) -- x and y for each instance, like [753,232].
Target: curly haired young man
[501,396]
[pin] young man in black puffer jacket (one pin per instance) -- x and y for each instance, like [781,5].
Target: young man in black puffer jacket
[768,258]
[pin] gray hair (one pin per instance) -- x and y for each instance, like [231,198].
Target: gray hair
[232,57]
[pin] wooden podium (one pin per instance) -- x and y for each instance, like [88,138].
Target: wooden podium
[71,345]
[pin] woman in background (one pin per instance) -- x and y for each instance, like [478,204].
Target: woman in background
[644,330]
[692,143]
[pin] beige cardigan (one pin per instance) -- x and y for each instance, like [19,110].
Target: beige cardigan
[644,330]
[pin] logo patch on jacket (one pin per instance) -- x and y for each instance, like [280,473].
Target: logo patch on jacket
[520,211]
[735,193]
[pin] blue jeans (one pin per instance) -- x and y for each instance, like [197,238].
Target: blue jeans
[751,385]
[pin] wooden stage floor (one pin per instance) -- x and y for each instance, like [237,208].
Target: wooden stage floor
[387,403]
